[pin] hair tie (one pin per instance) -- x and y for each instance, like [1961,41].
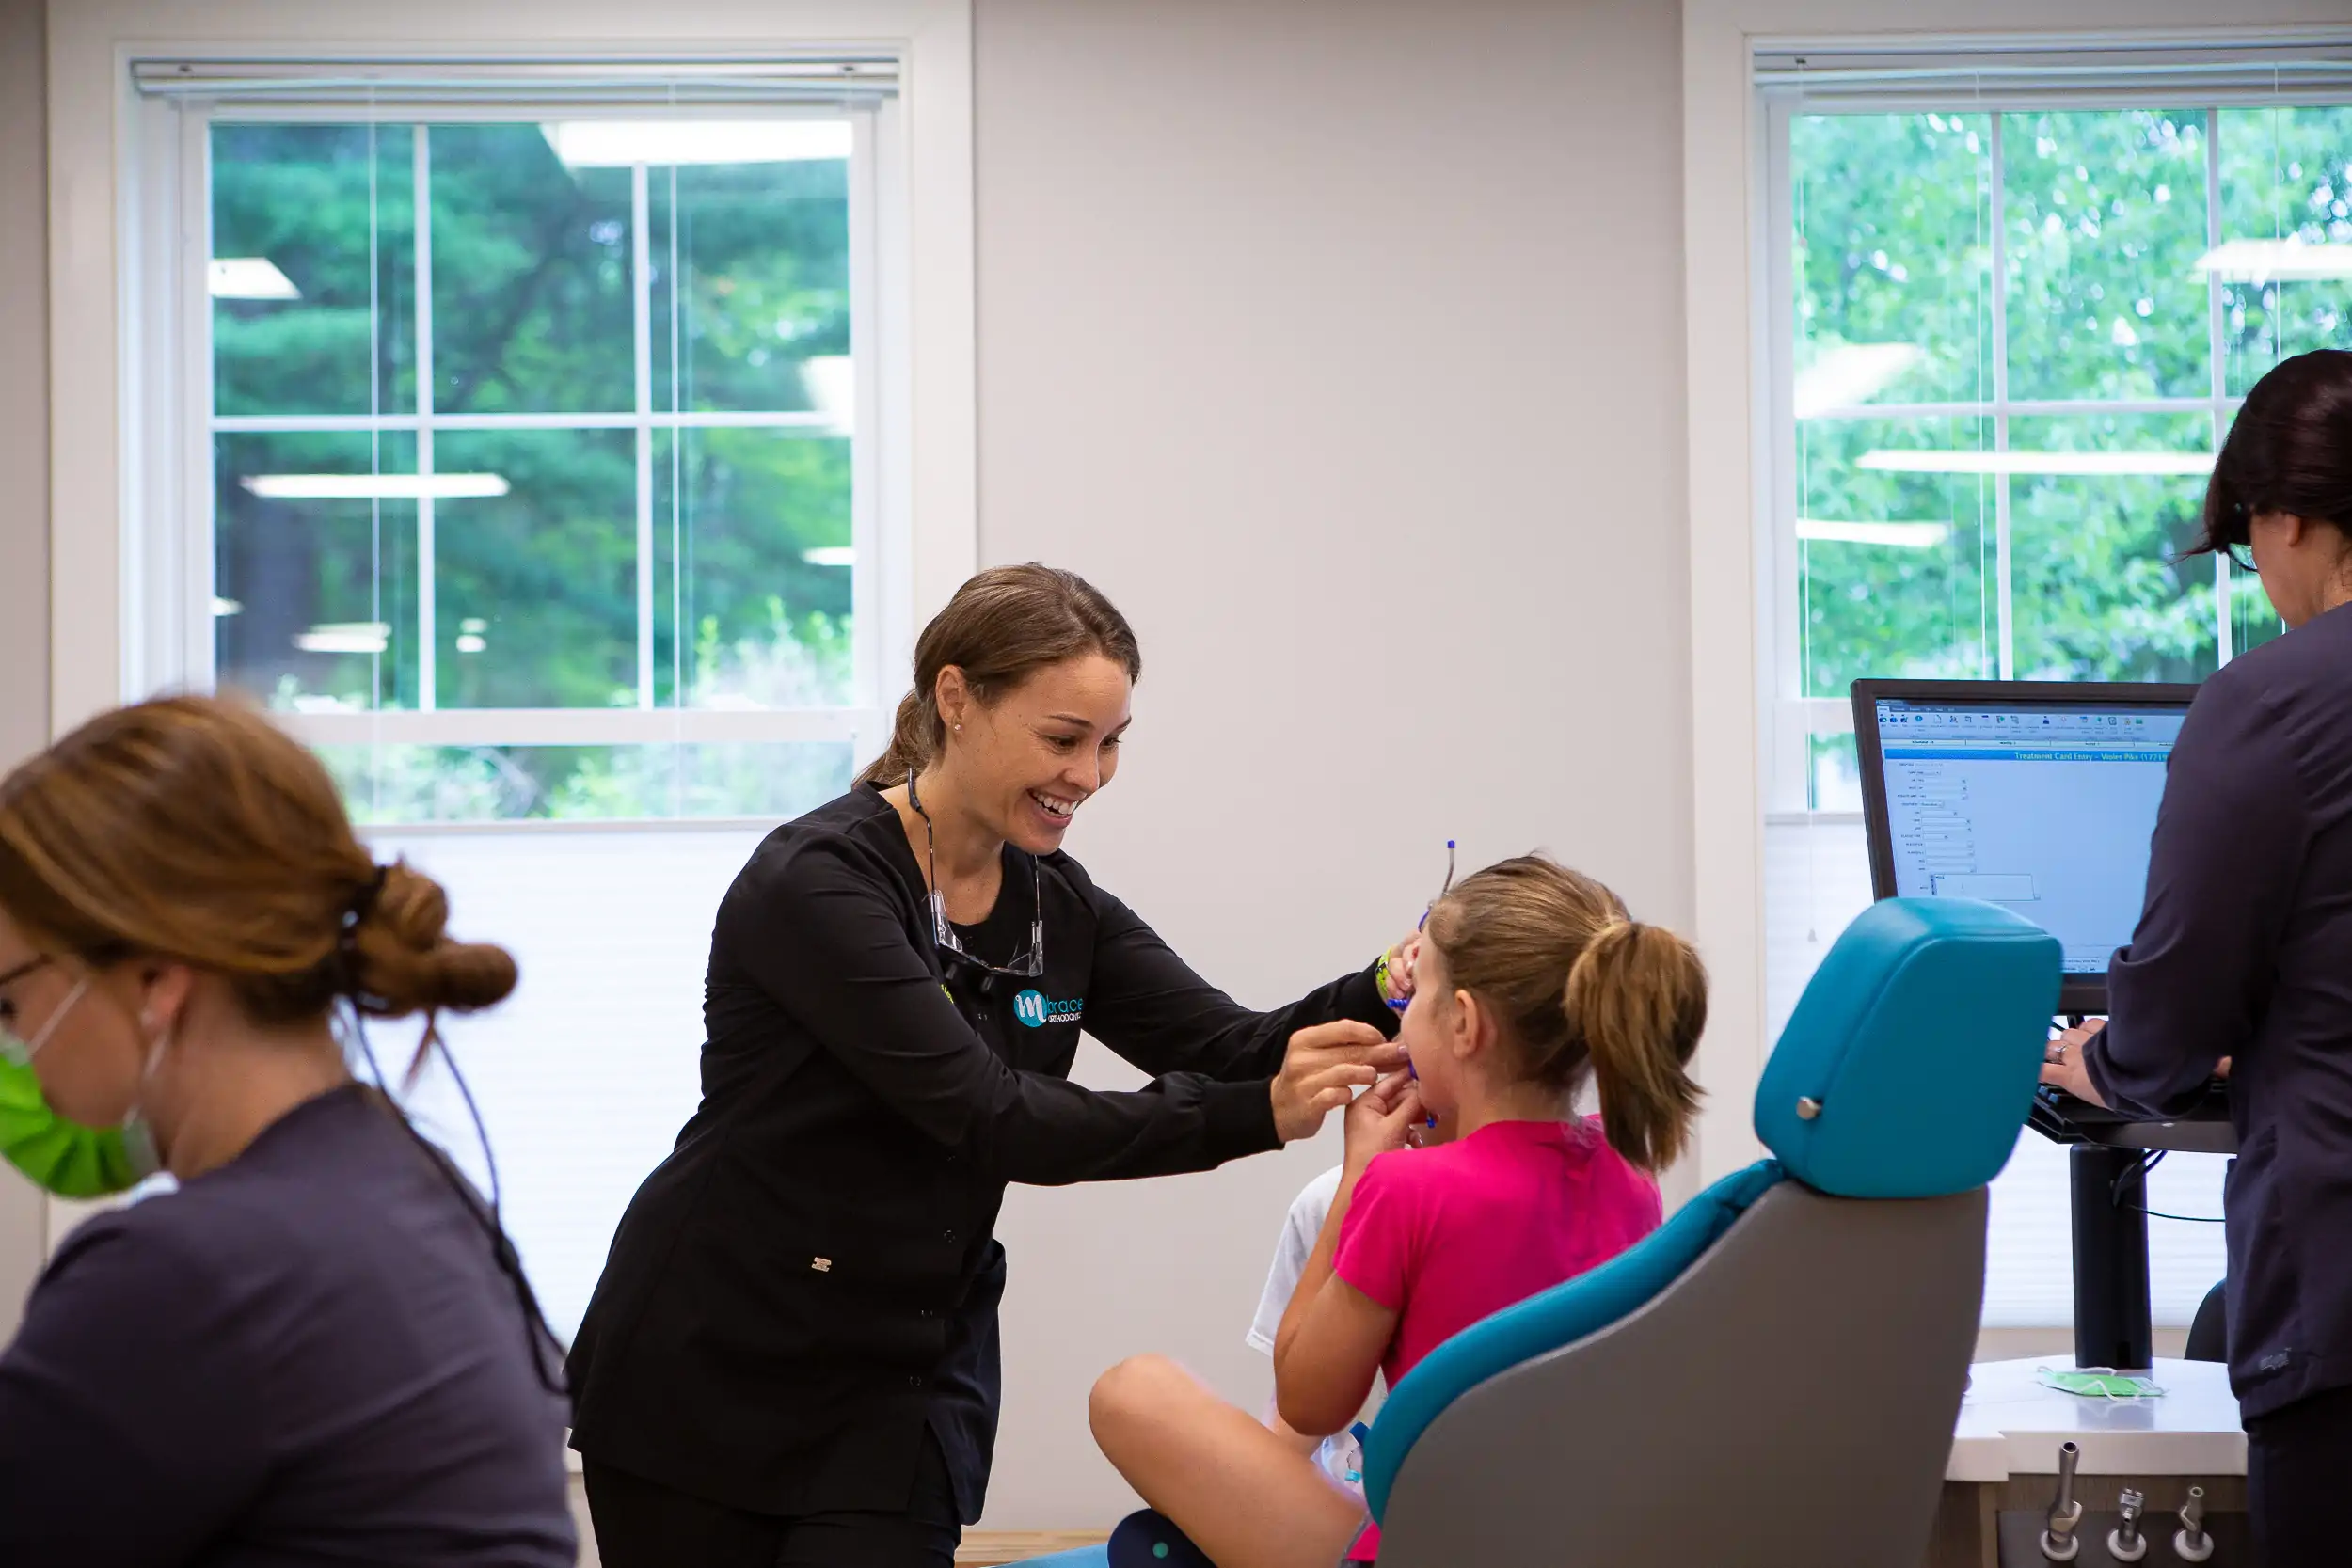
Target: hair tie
[363,902]
[347,940]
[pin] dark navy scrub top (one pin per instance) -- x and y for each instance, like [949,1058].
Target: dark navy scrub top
[2245,950]
[308,1356]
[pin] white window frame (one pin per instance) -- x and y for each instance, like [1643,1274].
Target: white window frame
[130,378]
[1735,583]
[1798,719]
[175,543]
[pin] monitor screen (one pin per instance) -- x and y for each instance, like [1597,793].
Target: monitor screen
[2044,805]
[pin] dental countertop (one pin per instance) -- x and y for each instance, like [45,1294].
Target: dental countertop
[2011,1424]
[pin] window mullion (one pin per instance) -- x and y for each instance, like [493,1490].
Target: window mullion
[2216,345]
[2003,612]
[673,278]
[866,566]
[428,679]
[640,312]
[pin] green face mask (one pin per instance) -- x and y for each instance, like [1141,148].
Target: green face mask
[2099,1383]
[64,1157]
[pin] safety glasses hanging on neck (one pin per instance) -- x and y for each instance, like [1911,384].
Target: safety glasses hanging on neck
[1028,966]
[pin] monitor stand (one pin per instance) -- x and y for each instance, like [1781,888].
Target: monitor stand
[2113,1323]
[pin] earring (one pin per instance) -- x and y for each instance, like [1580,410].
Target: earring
[959,729]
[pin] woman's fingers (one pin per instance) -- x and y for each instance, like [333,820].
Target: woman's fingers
[1339,1036]
[2069,1073]
[1345,1039]
[1347,1077]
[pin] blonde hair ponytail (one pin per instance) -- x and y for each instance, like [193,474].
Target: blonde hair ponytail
[1582,988]
[1637,998]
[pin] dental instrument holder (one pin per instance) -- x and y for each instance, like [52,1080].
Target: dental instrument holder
[2128,1542]
[2192,1542]
[2113,1323]
[2059,1543]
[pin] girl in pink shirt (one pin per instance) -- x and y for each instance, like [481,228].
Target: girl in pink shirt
[1530,978]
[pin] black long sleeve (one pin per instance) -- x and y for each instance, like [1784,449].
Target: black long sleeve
[2244,949]
[1149,1007]
[816,929]
[2223,871]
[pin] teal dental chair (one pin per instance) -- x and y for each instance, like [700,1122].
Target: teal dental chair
[1769,1380]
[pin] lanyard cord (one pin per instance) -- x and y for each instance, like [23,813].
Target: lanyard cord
[537,1337]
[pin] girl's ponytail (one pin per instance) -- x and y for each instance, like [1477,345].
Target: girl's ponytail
[1636,998]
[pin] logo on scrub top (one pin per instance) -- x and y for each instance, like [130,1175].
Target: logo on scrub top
[1036,1009]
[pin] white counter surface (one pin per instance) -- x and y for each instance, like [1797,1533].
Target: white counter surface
[2011,1424]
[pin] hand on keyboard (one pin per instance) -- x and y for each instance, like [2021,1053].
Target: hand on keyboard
[2062,1063]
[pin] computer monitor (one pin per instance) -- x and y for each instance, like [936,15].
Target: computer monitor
[2038,794]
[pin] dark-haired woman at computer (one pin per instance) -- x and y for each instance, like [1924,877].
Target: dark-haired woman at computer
[2244,950]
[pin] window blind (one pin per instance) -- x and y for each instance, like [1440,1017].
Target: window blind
[2060,70]
[415,84]
[586,1073]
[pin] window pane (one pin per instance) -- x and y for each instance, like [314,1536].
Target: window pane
[1893,251]
[751,569]
[1834,778]
[1895,568]
[532,297]
[314,575]
[535,587]
[760,252]
[2096,595]
[2254,621]
[579,784]
[312,274]
[2105,215]
[2285,264]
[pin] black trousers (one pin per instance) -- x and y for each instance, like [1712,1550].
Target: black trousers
[2299,1460]
[642,1523]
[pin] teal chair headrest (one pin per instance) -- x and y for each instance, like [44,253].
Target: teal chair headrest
[1909,1063]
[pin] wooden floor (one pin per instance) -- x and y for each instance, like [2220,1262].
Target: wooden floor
[983,1548]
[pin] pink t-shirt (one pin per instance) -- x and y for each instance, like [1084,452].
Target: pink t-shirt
[1446,1236]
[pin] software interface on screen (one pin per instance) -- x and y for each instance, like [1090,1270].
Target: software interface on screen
[2046,809]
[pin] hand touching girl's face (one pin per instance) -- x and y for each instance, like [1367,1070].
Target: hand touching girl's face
[1381,1119]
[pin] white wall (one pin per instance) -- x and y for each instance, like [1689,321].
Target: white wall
[23,510]
[1342,345]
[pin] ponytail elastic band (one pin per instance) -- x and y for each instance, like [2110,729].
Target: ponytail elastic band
[363,902]
[347,942]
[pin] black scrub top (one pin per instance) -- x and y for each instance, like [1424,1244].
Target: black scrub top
[810,1282]
[2244,949]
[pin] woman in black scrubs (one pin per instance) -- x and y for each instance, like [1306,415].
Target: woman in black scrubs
[2244,951]
[792,1354]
